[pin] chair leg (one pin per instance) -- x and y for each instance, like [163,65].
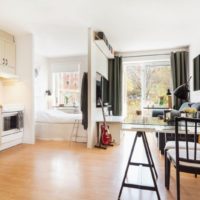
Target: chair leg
[167,171]
[177,184]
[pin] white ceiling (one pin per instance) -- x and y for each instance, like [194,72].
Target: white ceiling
[60,26]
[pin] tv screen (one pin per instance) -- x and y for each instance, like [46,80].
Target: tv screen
[102,91]
[105,90]
[98,92]
[196,73]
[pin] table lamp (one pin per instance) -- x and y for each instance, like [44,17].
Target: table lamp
[48,92]
[182,91]
[169,95]
[48,98]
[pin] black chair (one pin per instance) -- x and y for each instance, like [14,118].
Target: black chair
[184,159]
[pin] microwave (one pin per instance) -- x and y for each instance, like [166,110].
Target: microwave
[12,122]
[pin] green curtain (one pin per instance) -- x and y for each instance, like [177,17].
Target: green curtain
[115,84]
[180,72]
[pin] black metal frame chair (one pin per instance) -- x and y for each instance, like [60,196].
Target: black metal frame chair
[184,159]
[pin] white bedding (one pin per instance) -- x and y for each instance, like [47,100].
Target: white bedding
[57,116]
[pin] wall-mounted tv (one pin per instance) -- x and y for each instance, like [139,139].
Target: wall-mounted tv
[102,90]
[196,73]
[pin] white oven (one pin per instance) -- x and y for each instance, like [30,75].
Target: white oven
[12,122]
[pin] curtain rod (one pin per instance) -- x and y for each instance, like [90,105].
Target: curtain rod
[166,54]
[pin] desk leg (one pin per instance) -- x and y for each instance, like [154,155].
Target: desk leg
[150,161]
[149,153]
[129,161]
[150,164]
[162,141]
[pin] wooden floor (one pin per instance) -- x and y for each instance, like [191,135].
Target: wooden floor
[69,171]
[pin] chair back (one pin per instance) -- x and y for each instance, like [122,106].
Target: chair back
[190,155]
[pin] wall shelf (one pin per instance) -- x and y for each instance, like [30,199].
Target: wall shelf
[104,49]
[102,43]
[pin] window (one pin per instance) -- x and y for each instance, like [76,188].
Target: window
[145,85]
[66,88]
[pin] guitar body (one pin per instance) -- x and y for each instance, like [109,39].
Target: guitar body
[106,137]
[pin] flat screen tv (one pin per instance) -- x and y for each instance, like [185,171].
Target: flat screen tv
[102,91]
[196,73]
[105,90]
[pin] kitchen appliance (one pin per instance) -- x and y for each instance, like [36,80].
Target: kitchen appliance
[12,119]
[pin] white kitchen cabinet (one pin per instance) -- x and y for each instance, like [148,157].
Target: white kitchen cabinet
[1,53]
[10,54]
[7,53]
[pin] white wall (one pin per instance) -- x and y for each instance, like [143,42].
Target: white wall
[69,64]
[101,64]
[41,82]
[97,62]
[46,66]
[100,61]
[22,90]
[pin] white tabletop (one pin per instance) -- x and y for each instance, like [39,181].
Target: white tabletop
[156,128]
[140,127]
[113,119]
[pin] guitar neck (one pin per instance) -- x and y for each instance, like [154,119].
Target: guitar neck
[103,112]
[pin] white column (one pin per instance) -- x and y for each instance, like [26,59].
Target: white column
[91,131]
[143,86]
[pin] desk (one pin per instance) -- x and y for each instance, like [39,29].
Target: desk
[115,126]
[142,125]
[141,133]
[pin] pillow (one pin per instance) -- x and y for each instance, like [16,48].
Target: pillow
[196,105]
[157,112]
[174,114]
[184,105]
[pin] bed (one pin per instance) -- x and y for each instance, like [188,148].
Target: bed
[58,125]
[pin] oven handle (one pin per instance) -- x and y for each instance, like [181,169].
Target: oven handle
[10,114]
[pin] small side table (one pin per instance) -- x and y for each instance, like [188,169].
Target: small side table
[156,110]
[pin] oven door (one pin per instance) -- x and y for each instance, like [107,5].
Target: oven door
[10,123]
